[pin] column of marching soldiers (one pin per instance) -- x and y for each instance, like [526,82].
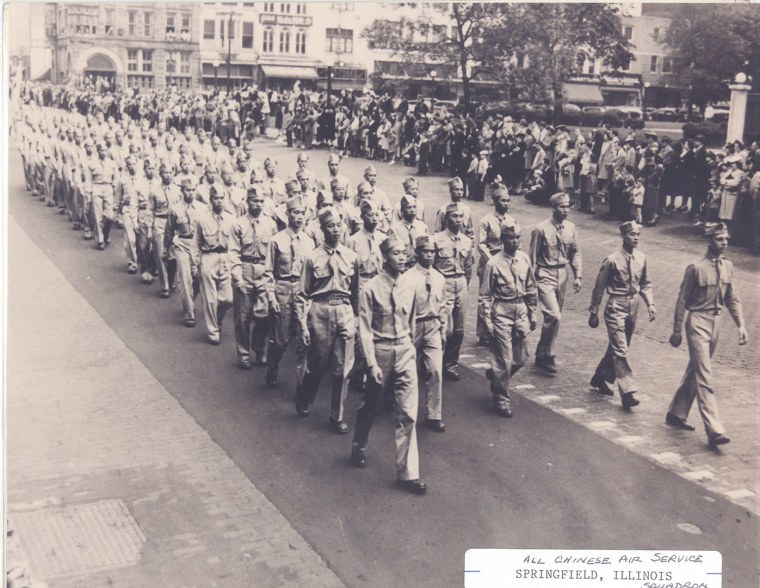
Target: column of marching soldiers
[370,292]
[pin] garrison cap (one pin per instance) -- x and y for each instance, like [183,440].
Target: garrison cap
[454,207]
[252,190]
[292,185]
[407,200]
[369,206]
[509,227]
[324,198]
[408,182]
[456,182]
[186,183]
[390,242]
[628,226]
[294,202]
[712,229]
[499,191]
[422,241]
[327,214]
[333,158]
[370,169]
[210,167]
[559,198]
[336,182]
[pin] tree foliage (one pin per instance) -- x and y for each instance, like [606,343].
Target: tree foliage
[710,43]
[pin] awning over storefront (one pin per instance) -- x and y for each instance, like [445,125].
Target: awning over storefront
[583,93]
[290,71]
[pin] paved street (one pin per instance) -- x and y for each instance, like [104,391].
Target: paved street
[114,406]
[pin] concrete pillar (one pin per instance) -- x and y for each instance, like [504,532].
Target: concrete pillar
[737,112]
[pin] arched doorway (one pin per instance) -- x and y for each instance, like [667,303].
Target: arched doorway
[100,67]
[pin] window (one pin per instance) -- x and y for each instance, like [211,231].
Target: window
[667,65]
[285,41]
[522,61]
[628,32]
[132,58]
[268,6]
[342,6]
[132,22]
[208,29]
[148,22]
[268,45]
[656,34]
[140,81]
[590,68]
[186,20]
[247,40]
[170,22]
[109,22]
[340,40]
[285,7]
[301,8]
[184,62]
[249,4]
[301,42]
[147,60]
[653,64]
[171,65]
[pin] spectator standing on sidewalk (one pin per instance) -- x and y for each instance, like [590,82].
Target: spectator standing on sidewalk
[624,277]
[707,289]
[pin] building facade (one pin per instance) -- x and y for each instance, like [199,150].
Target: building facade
[140,45]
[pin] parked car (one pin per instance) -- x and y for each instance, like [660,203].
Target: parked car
[591,116]
[569,114]
[665,113]
[632,116]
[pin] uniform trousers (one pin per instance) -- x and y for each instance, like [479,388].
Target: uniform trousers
[184,274]
[129,224]
[84,207]
[509,347]
[159,251]
[331,329]
[456,302]
[428,344]
[251,314]
[48,180]
[551,284]
[282,326]
[145,241]
[480,325]
[216,290]
[620,318]
[702,330]
[397,362]
[102,210]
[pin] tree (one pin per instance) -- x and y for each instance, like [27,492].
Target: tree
[464,46]
[710,43]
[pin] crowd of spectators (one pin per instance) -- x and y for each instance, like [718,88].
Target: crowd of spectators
[630,175]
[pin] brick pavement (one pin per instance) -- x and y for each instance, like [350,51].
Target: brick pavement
[101,458]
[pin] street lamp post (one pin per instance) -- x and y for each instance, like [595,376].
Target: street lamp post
[433,76]
[644,101]
[229,52]
[215,63]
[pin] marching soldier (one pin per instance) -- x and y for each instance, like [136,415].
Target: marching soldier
[387,340]
[211,264]
[456,193]
[333,164]
[251,279]
[180,232]
[330,281]
[508,304]
[84,200]
[102,175]
[489,244]
[159,202]
[430,332]
[409,228]
[707,289]
[309,181]
[287,251]
[625,277]
[554,246]
[411,190]
[126,196]
[453,258]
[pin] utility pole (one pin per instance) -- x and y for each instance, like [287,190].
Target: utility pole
[229,53]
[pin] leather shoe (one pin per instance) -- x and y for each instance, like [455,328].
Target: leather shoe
[599,383]
[301,411]
[189,323]
[629,400]
[451,374]
[718,439]
[504,412]
[271,379]
[214,341]
[489,374]
[164,294]
[100,246]
[547,364]
[338,427]
[244,364]
[358,459]
[435,425]
[678,422]
[413,486]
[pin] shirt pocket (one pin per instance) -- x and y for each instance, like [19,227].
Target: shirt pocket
[345,269]
[322,271]
[707,278]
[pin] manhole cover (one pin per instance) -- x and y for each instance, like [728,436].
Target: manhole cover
[78,539]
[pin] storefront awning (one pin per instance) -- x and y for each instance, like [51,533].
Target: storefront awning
[583,93]
[290,71]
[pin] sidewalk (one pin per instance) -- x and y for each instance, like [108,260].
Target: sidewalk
[110,482]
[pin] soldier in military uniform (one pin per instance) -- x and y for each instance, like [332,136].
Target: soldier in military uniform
[159,202]
[126,197]
[453,258]
[387,317]
[707,289]
[251,279]
[625,278]
[553,247]
[330,281]
[285,257]
[409,228]
[508,302]
[178,238]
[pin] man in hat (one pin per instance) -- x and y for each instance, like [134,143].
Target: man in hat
[553,247]
[507,303]
[333,165]
[210,176]
[489,243]
[387,340]
[88,162]
[330,281]
[273,187]
[251,279]
[409,228]
[159,203]
[102,176]
[210,259]
[625,278]
[456,193]
[310,181]
[411,190]
[430,332]
[453,258]
[148,184]
[180,232]
[370,176]
[707,289]
[126,203]
[285,257]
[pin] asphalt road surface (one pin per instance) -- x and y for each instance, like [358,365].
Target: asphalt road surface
[535,481]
